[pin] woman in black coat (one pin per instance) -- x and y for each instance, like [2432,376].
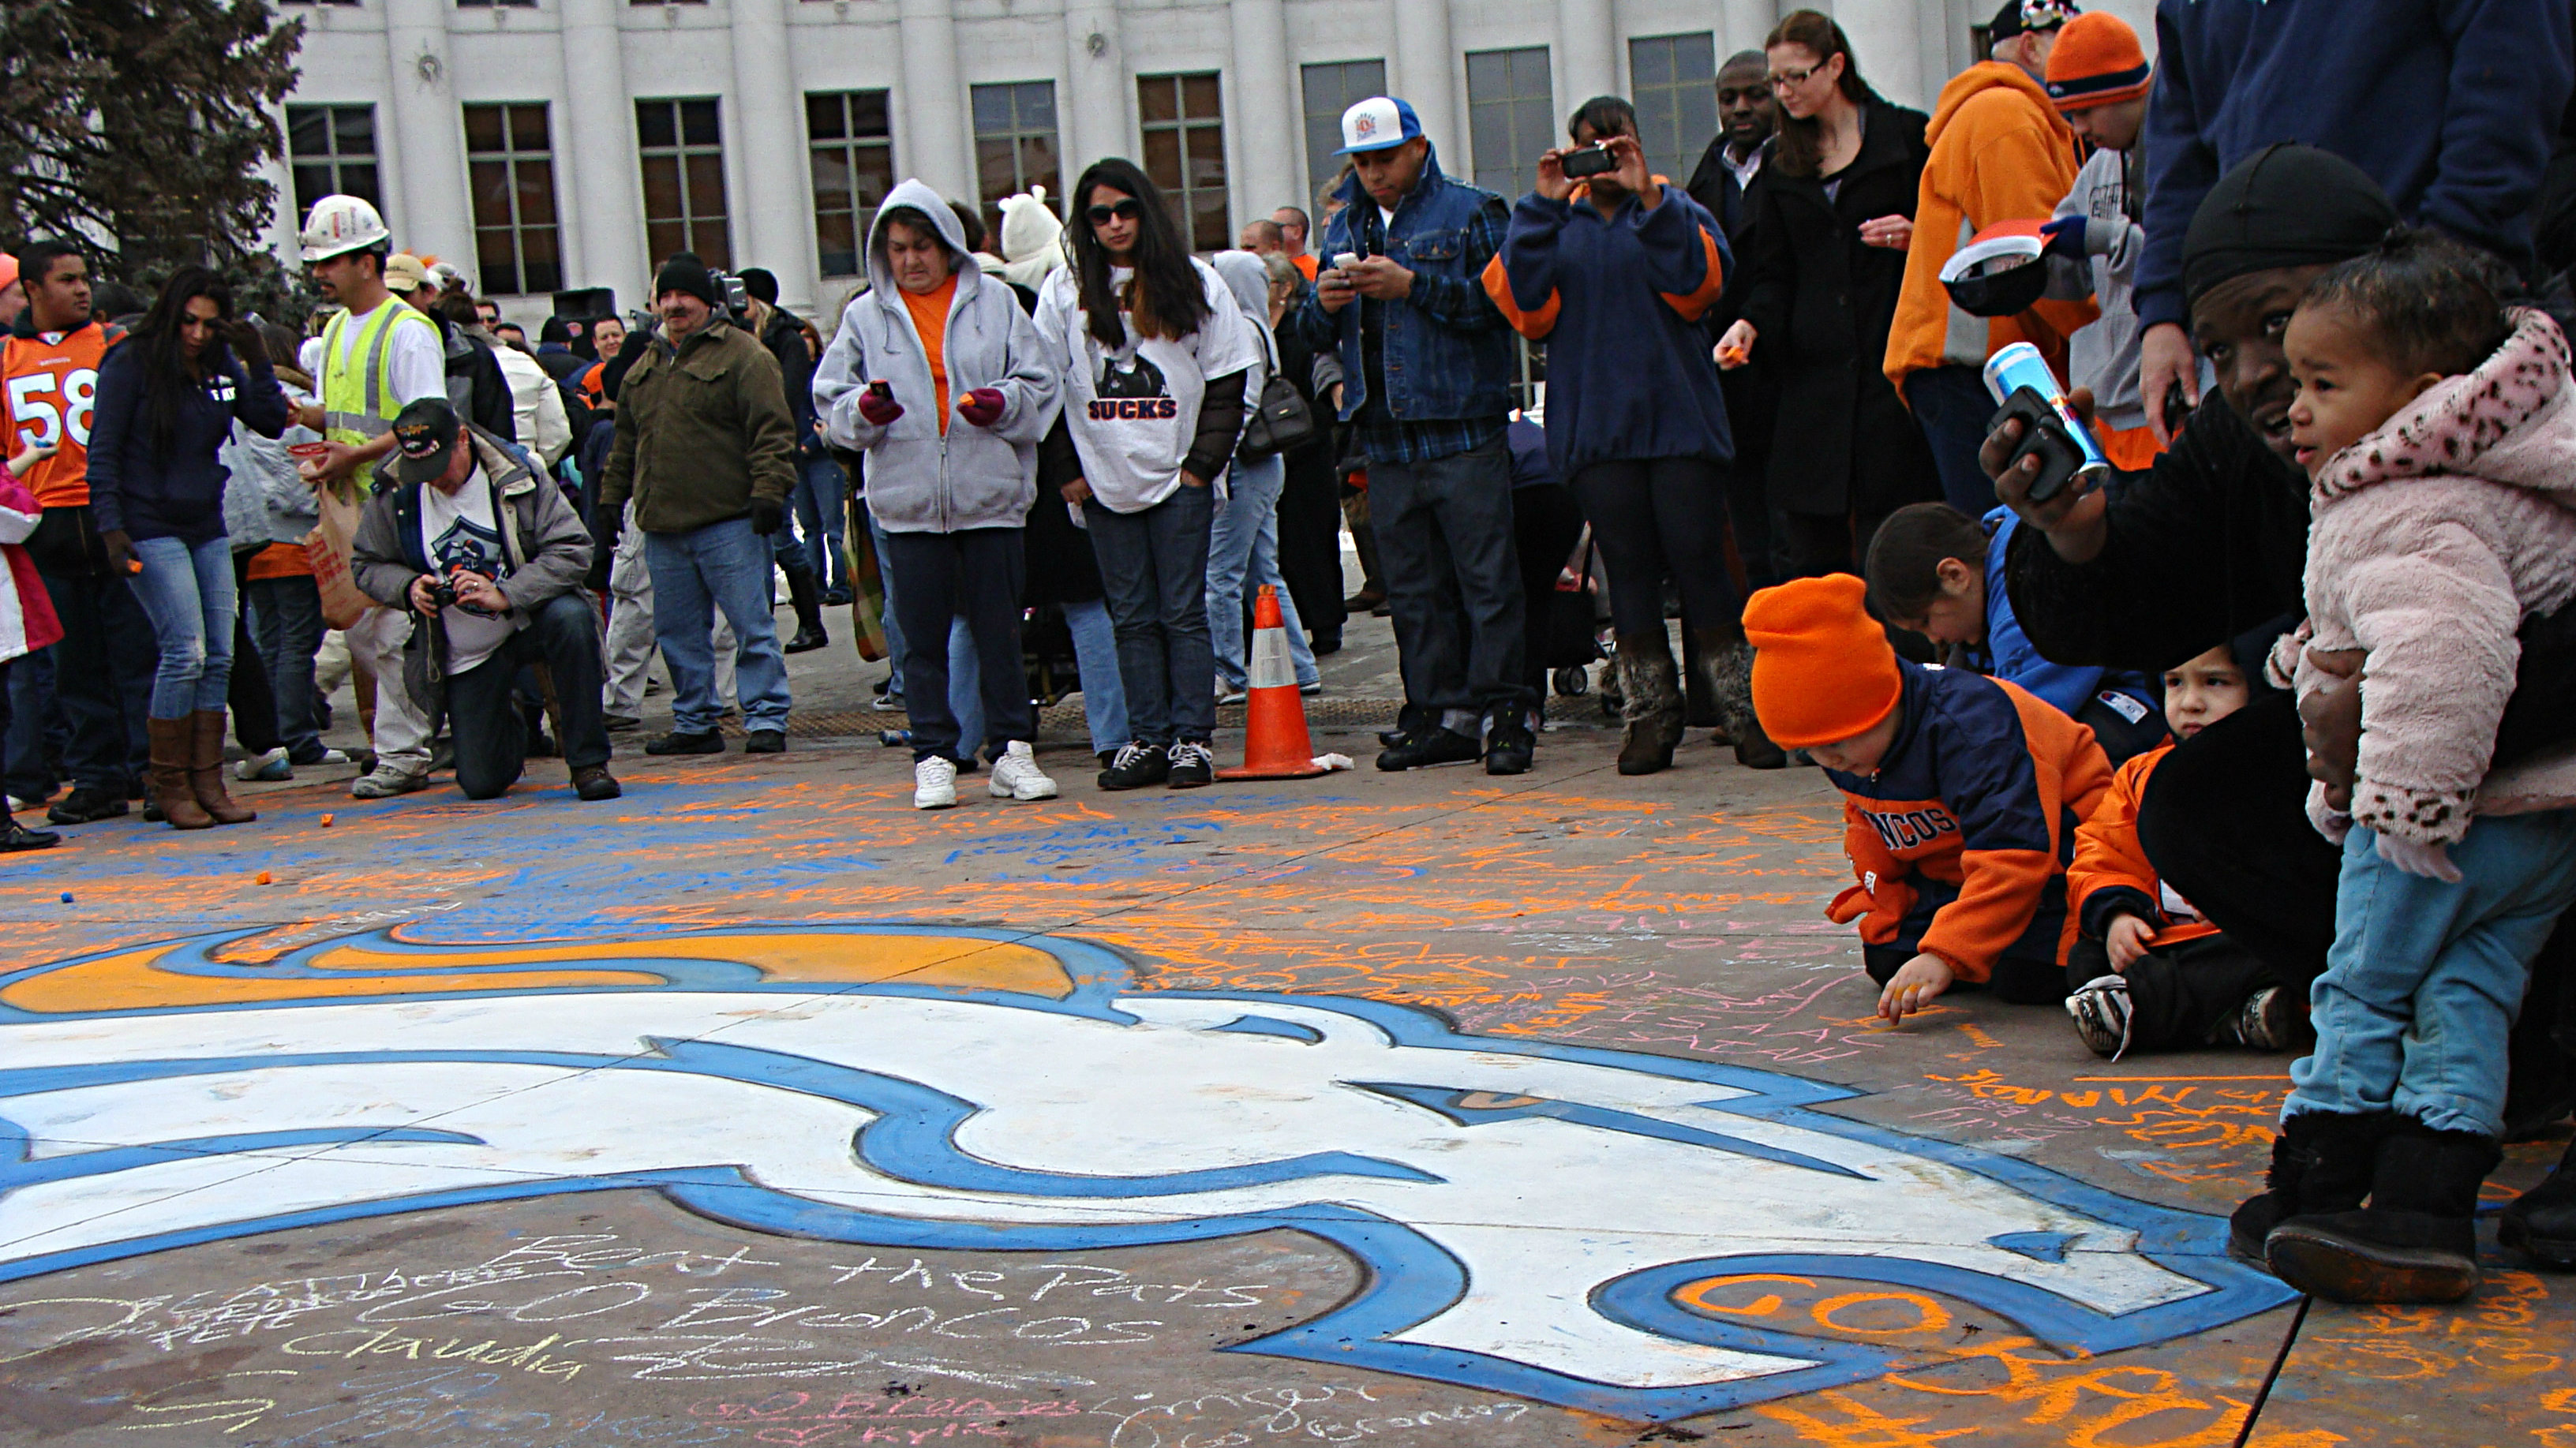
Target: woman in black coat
[1310,505]
[1832,213]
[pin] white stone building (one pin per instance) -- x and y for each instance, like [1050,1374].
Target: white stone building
[546,144]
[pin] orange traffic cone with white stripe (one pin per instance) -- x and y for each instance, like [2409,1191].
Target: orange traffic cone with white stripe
[1275,743]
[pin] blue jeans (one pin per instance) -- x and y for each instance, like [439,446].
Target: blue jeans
[1095,652]
[722,565]
[2425,979]
[187,592]
[1153,569]
[102,680]
[1956,411]
[885,582]
[286,622]
[973,577]
[821,489]
[1243,554]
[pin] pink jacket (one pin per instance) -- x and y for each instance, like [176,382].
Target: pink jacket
[27,620]
[2430,541]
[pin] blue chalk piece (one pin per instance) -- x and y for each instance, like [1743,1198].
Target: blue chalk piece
[67,897]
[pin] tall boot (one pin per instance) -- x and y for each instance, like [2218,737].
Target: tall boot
[807,597]
[1700,650]
[2322,1161]
[2417,1241]
[173,755]
[1650,703]
[206,771]
[1730,675]
[2541,1223]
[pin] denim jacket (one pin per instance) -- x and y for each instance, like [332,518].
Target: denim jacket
[1448,351]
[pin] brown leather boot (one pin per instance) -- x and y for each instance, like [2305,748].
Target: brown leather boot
[206,770]
[172,750]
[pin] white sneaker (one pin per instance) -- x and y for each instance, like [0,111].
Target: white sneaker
[264,768]
[934,783]
[1016,775]
[386,782]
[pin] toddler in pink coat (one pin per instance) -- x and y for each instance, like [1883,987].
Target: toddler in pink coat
[2438,430]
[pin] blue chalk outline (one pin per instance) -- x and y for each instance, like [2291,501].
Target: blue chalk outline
[1410,1278]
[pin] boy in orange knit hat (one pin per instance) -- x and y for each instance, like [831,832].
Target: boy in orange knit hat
[1960,797]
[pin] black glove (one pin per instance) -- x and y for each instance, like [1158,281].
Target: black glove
[767,516]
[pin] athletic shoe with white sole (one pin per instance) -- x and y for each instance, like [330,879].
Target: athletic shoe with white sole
[2265,1022]
[264,768]
[384,782]
[1016,775]
[2101,1012]
[1192,764]
[934,783]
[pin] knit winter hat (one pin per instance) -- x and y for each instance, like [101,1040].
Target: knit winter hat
[1823,671]
[685,273]
[2097,62]
[2286,205]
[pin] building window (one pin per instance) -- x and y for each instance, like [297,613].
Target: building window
[1330,90]
[1015,147]
[489,4]
[1511,116]
[1673,80]
[331,150]
[1184,128]
[511,164]
[849,142]
[682,144]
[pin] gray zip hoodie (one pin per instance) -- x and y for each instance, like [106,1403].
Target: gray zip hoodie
[920,480]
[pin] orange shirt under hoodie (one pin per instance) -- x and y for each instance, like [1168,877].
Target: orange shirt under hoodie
[930,323]
[2000,152]
[2110,874]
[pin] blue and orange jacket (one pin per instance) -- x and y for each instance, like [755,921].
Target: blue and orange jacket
[1618,300]
[2110,876]
[1982,789]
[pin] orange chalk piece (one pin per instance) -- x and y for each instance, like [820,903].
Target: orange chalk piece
[262,878]
[326,821]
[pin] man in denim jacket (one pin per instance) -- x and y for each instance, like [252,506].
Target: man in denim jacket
[1429,366]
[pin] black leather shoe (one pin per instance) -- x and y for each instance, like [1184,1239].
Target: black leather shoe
[806,641]
[595,783]
[680,741]
[2541,1223]
[1509,744]
[1425,747]
[1138,765]
[765,741]
[19,837]
[87,806]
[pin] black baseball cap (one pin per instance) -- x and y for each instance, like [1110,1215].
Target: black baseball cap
[424,434]
[2019,16]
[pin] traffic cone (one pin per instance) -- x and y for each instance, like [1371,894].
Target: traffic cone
[1275,745]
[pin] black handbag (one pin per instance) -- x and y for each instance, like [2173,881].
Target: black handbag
[1282,423]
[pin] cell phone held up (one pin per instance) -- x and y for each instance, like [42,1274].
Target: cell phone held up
[1592,160]
[2043,436]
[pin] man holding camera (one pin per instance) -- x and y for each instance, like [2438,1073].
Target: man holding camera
[707,449]
[489,558]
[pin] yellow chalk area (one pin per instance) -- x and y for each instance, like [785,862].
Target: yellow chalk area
[137,979]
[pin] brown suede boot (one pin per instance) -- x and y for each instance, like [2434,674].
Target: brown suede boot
[206,770]
[171,753]
[1650,703]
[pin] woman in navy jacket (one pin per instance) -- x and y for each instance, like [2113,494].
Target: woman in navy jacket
[166,403]
[1614,274]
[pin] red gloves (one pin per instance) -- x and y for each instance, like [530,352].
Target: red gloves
[982,407]
[879,407]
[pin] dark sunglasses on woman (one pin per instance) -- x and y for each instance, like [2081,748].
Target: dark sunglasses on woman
[1125,210]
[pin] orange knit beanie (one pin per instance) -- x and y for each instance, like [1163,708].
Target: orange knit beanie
[1822,668]
[2097,61]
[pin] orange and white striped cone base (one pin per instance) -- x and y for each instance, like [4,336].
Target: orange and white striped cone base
[1275,743]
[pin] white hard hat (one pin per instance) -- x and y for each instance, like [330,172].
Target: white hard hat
[342,223]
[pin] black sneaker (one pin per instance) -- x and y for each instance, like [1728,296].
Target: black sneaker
[1193,764]
[86,805]
[1137,765]
[1435,745]
[18,837]
[765,741]
[2264,1022]
[1508,743]
[681,741]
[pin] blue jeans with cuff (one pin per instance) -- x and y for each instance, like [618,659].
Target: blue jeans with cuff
[188,594]
[1153,570]
[722,565]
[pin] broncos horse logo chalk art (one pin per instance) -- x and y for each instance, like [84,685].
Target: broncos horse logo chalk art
[1527,1212]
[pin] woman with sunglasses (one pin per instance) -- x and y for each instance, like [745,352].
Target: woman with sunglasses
[1823,264]
[1154,355]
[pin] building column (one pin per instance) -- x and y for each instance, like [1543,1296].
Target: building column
[1424,70]
[595,163]
[1092,116]
[1268,117]
[777,217]
[936,146]
[1744,24]
[437,214]
[1887,35]
[1586,53]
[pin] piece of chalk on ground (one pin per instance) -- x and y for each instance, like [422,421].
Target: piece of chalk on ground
[261,878]
[326,821]
[67,897]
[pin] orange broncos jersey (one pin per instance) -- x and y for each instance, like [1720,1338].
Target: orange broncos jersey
[52,381]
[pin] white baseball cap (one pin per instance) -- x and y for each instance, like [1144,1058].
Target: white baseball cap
[1377,124]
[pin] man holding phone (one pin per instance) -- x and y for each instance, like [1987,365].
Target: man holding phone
[1429,367]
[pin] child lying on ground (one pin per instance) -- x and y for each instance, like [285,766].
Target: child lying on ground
[1939,572]
[2158,976]
[1960,796]
[2439,435]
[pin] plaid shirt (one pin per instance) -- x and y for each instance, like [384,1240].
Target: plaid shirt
[1450,300]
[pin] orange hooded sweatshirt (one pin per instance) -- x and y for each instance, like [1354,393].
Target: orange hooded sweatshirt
[2000,152]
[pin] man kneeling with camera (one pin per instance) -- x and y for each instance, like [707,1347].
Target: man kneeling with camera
[490,558]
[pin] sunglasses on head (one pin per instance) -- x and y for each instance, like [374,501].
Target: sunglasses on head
[1126,210]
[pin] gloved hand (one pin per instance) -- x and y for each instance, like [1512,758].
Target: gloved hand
[2432,862]
[1879,905]
[768,515]
[2065,238]
[982,407]
[879,408]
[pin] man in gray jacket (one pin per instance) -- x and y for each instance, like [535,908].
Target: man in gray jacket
[490,559]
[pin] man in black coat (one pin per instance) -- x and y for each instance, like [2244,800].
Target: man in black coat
[1747,114]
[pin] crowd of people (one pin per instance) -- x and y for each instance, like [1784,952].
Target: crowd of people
[2253,733]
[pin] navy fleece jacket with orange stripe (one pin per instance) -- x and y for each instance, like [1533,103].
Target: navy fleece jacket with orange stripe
[1618,300]
[1983,789]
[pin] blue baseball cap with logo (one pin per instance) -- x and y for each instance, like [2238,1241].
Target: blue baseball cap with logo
[1377,124]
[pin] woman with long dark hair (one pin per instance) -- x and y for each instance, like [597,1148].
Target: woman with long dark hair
[1833,212]
[1154,354]
[167,399]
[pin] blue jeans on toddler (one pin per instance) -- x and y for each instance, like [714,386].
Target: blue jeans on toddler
[2425,978]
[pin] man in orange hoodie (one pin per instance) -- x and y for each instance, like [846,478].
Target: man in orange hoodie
[2000,152]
